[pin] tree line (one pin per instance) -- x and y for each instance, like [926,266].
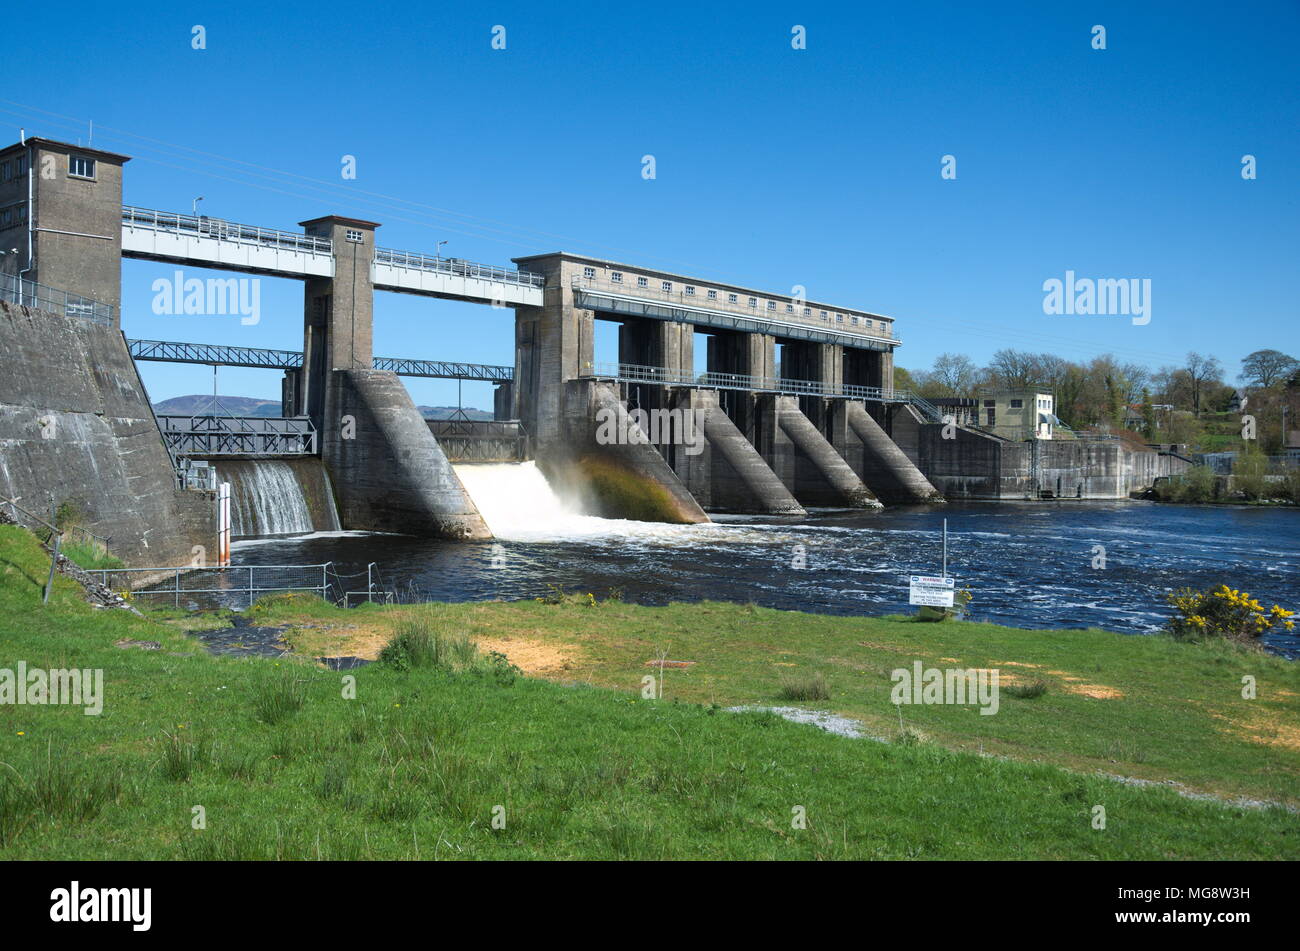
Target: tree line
[1171,404]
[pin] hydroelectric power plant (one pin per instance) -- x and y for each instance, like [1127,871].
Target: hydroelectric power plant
[795,408]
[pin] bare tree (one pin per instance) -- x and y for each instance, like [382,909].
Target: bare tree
[955,373]
[1201,372]
[1014,368]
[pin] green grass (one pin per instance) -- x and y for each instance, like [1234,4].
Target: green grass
[89,554]
[284,766]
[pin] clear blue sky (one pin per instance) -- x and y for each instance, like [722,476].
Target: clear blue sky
[775,167]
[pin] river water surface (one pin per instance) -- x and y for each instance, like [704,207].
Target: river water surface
[1027,564]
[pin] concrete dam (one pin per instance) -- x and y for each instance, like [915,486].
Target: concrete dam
[791,406]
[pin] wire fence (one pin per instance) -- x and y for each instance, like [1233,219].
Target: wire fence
[235,587]
[26,293]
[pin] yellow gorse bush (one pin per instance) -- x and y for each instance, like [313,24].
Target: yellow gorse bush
[1223,612]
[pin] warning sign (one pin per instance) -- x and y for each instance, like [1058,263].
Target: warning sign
[931,590]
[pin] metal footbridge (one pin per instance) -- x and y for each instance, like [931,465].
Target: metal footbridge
[226,355]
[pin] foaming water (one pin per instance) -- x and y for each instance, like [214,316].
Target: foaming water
[519,504]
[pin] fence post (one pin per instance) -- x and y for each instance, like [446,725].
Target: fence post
[177,573]
[250,586]
[54,560]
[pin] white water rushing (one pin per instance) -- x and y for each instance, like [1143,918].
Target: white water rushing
[518,504]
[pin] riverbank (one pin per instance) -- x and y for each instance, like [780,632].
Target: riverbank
[274,760]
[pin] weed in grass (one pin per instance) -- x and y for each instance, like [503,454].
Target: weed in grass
[279,698]
[182,753]
[1030,691]
[417,644]
[911,736]
[54,789]
[805,687]
[241,766]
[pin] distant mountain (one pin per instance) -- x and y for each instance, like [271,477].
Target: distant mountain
[445,412]
[248,406]
[202,405]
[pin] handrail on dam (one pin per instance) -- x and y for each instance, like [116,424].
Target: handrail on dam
[203,226]
[225,355]
[628,373]
[458,267]
[25,293]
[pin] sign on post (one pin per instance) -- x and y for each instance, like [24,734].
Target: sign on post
[931,591]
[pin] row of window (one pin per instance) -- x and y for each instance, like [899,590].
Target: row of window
[688,290]
[13,215]
[16,168]
[79,166]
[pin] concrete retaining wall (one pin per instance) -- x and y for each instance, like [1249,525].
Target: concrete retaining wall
[98,448]
[975,465]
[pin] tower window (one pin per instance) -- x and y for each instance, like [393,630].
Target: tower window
[81,166]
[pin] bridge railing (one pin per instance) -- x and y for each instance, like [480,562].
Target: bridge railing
[203,226]
[445,369]
[630,373]
[457,267]
[42,297]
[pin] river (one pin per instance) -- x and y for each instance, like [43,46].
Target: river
[1027,564]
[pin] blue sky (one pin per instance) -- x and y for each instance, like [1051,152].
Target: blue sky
[775,166]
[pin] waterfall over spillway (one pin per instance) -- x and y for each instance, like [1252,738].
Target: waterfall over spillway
[272,497]
[519,504]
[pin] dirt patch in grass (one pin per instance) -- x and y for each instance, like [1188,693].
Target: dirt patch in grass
[530,656]
[1077,685]
[1264,728]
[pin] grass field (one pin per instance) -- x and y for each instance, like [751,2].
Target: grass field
[279,763]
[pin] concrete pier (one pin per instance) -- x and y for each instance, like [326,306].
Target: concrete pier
[388,471]
[619,477]
[807,462]
[729,475]
[883,466]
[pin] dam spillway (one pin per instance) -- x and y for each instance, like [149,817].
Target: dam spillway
[279,497]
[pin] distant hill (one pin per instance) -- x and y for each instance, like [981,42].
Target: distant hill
[248,406]
[236,405]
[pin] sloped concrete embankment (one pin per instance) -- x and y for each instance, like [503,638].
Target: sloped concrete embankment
[388,472]
[729,474]
[622,477]
[75,422]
